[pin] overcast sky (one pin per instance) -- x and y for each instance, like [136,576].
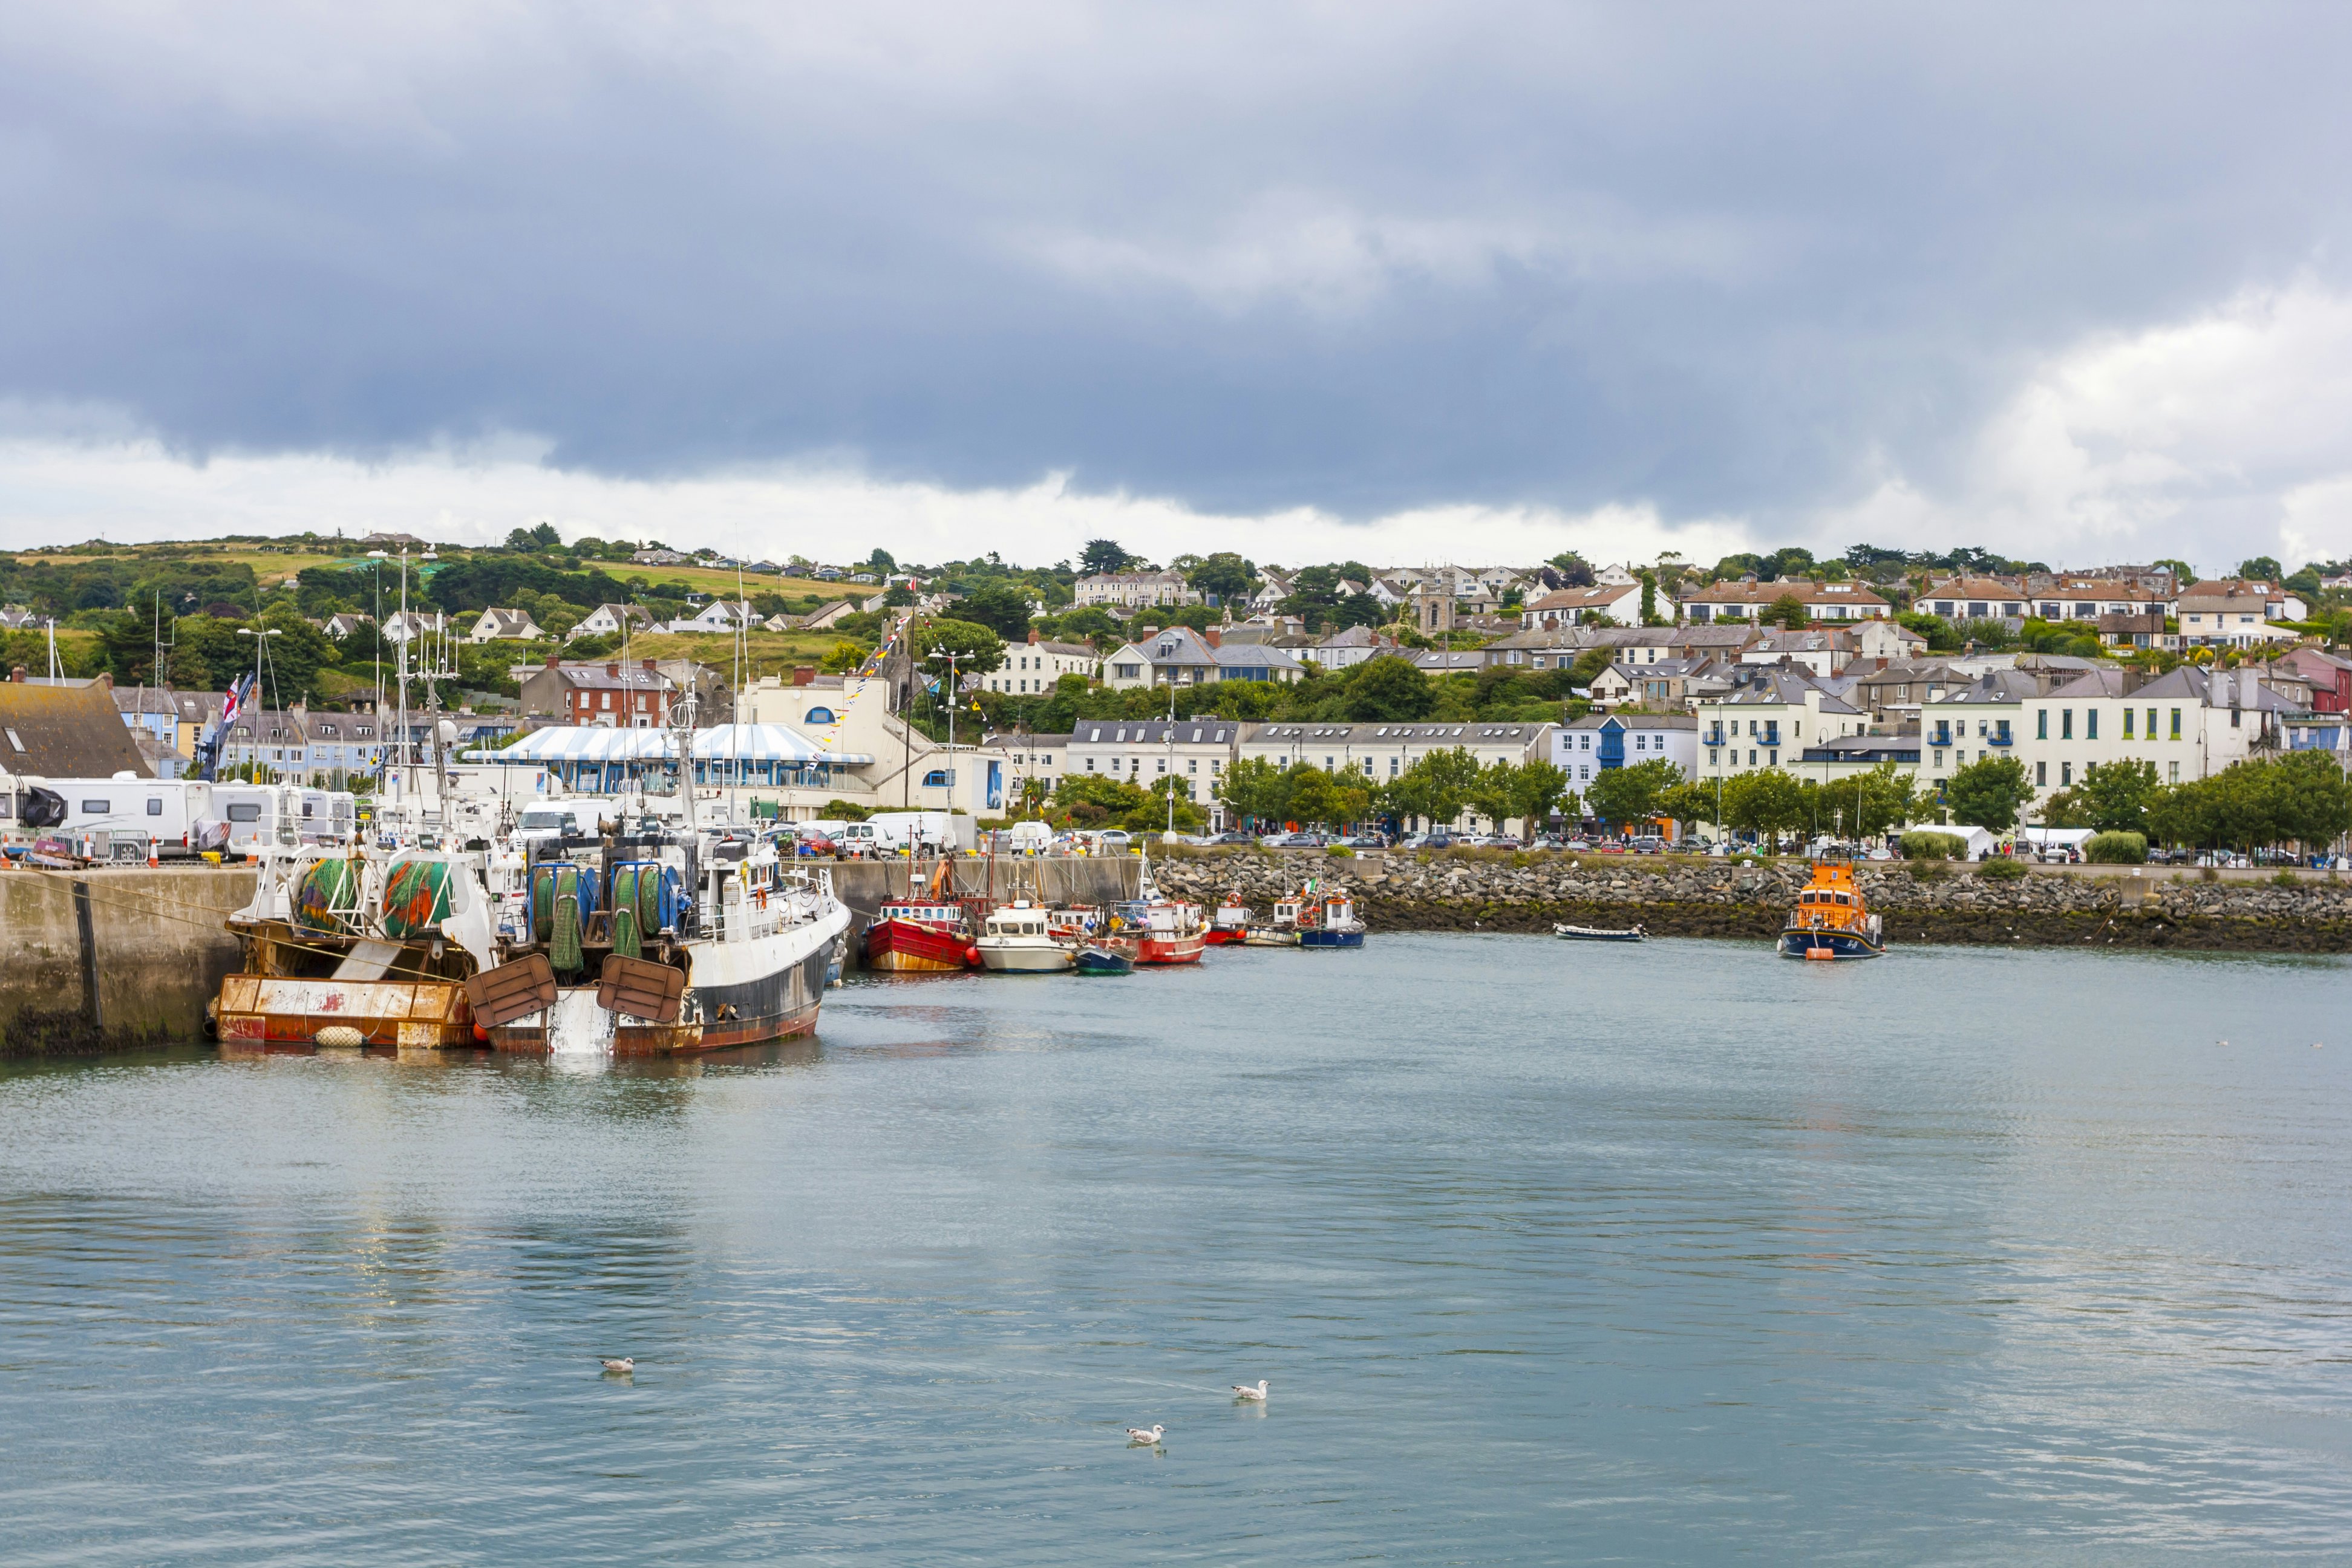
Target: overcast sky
[1409,283]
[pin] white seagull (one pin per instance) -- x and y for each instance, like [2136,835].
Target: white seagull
[1246,1392]
[619,1363]
[1141,1435]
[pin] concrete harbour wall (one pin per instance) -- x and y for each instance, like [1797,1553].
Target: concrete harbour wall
[1932,902]
[112,956]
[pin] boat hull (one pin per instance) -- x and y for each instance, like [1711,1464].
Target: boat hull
[1030,958]
[1100,961]
[905,947]
[277,1010]
[1166,950]
[1828,944]
[1224,936]
[1271,939]
[1330,938]
[737,993]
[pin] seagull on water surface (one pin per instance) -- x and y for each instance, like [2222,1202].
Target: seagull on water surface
[1246,1392]
[1145,1435]
[619,1363]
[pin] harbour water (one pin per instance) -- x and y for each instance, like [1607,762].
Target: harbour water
[1551,1252]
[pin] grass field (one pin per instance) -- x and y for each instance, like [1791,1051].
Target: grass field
[274,567]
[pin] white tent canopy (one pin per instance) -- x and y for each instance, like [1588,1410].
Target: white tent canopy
[720,743]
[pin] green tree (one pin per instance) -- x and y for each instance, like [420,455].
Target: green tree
[1438,785]
[1535,789]
[1787,611]
[1001,607]
[1224,575]
[2062,809]
[1330,800]
[2260,569]
[981,650]
[1765,801]
[1649,597]
[1989,794]
[2115,795]
[1626,796]
[845,657]
[1102,555]
[1255,790]
[1388,690]
[1688,802]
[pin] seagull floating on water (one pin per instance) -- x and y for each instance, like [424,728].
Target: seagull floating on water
[1246,1392]
[619,1363]
[1142,1435]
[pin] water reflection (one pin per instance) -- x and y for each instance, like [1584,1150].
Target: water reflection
[1541,1258]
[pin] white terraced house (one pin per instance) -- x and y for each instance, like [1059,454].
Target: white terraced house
[2191,723]
[1034,666]
[1376,753]
[1596,742]
[1747,599]
[1767,721]
[1135,590]
[1621,603]
[1143,751]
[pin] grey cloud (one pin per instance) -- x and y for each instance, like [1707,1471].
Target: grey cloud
[1726,262]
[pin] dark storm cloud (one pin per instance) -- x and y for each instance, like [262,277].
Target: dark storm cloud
[1361,258]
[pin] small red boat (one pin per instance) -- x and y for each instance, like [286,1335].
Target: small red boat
[1153,929]
[1228,923]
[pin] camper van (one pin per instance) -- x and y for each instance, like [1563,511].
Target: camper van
[132,811]
[258,814]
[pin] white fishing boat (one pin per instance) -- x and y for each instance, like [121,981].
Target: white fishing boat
[1018,939]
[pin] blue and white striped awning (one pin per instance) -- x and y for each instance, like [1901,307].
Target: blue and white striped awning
[720,743]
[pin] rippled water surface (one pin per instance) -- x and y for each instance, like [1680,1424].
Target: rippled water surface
[1676,1252]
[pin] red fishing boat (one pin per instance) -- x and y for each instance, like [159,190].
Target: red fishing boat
[1151,928]
[928,933]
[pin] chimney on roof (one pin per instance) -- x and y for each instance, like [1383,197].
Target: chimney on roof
[106,678]
[1151,631]
[649,663]
[613,669]
[803,675]
[17,675]
[1216,637]
[1032,633]
[553,660]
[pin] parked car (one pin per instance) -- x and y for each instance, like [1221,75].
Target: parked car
[1114,840]
[1366,841]
[1439,840]
[1302,839]
[1231,836]
[1649,844]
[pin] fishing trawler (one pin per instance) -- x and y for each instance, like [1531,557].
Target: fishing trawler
[616,942]
[1829,920]
[923,933]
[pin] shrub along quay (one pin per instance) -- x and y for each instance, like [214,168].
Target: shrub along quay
[2147,906]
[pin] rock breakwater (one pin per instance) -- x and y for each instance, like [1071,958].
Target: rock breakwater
[1671,895]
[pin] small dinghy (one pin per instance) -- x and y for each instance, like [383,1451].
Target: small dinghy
[1597,933]
[1103,961]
